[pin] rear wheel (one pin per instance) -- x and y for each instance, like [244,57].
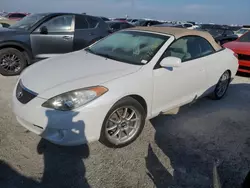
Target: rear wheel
[12,61]
[222,86]
[123,123]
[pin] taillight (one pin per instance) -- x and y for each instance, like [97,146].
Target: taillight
[236,55]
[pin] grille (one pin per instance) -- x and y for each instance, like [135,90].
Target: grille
[244,67]
[23,94]
[244,57]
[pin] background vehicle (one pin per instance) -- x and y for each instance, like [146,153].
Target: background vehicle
[211,26]
[242,31]
[132,21]
[39,36]
[4,22]
[118,25]
[16,15]
[114,85]
[147,23]
[104,18]
[242,47]
[234,28]
[221,35]
[169,25]
[190,25]
[120,19]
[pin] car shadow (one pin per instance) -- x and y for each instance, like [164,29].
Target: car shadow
[202,139]
[63,166]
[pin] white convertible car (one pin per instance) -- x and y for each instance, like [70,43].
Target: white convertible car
[106,91]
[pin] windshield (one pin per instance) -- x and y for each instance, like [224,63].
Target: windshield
[132,47]
[241,31]
[27,22]
[245,38]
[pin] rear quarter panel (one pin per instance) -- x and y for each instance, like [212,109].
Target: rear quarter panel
[220,62]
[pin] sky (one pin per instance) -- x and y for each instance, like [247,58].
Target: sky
[205,11]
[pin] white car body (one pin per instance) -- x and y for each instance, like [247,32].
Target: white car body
[161,89]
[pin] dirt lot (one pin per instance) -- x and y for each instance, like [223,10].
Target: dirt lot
[173,150]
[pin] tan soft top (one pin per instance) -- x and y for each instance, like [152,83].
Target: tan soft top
[180,32]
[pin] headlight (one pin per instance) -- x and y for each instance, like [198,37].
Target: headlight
[74,99]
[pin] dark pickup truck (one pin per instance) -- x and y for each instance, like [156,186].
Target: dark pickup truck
[44,35]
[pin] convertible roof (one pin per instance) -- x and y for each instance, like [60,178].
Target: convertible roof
[180,32]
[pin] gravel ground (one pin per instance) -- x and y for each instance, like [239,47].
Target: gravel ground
[173,150]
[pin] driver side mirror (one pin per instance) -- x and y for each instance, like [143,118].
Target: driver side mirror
[168,62]
[43,30]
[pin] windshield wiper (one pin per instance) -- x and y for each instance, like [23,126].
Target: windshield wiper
[101,54]
[107,56]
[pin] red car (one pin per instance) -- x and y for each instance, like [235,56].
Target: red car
[241,47]
[16,15]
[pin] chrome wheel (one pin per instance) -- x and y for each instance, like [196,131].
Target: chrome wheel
[122,125]
[10,62]
[222,85]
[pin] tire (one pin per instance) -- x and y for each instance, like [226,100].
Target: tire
[109,137]
[224,79]
[17,67]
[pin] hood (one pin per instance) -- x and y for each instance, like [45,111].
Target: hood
[79,67]
[238,47]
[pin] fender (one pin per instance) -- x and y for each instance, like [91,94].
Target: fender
[19,45]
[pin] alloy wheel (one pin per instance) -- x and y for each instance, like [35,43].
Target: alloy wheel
[122,125]
[10,62]
[222,85]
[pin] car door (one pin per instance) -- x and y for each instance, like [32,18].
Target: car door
[57,40]
[174,87]
[86,31]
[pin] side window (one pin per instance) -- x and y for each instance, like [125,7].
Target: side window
[205,47]
[17,15]
[188,48]
[59,24]
[178,49]
[81,22]
[187,25]
[93,22]
[229,32]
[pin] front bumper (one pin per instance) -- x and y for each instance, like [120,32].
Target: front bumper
[60,127]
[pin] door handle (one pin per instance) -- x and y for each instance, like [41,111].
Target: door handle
[67,37]
[90,34]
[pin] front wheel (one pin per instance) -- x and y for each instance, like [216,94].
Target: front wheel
[12,61]
[123,123]
[222,86]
